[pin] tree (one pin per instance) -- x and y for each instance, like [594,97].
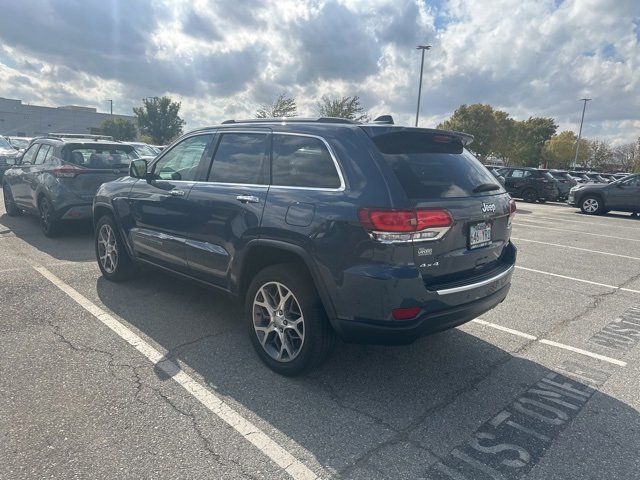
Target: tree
[345,107]
[119,129]
[478,120]
[600,155]
[530,138]
[627,157]
[282,106]
[158,118]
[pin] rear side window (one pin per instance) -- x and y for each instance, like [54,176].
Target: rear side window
[43,153]
[300,161]
[29,155]
[433,166]
[99,156]
[241,158]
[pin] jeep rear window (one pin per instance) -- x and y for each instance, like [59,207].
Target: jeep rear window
[99,156]
[432,165]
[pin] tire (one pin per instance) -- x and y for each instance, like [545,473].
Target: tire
[48,218]
[542,200]
[9,205]
[529,195]
[591,205]
[114,262]
[269,322]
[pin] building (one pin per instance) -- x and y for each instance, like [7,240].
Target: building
[23,120]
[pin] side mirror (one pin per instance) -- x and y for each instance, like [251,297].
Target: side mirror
[138,168]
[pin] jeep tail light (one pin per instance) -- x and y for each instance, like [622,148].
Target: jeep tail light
[398,226]
[66,171]
[512,207]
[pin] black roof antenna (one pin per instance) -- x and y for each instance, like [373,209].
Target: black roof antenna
[384,119]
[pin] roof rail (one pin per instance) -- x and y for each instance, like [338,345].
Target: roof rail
[80,135]
[292,120]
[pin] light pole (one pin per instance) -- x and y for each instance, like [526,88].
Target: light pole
[423,48]
[111,106]
[584,107]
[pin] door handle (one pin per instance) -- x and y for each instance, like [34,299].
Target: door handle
[248,199]
[176,193]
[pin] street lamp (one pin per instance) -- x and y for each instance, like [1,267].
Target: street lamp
[111,106]
[584,107]
[423,48]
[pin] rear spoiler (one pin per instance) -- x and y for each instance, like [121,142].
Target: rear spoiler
[374,130]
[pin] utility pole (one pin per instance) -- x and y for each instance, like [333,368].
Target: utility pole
[111,106]
[423,48]
[584,107]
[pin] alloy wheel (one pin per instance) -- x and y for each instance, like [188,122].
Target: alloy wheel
[278,321]
[45,213]
[107,248]
[590,205]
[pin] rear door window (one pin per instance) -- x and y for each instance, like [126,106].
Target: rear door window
[301,161]
[30,154]
[433,165]
[42,154]
[241,158]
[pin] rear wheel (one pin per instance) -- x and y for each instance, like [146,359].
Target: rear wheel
[286,320]
[48,219]
[529,195]
[592,205]
[113,259]
[9,205]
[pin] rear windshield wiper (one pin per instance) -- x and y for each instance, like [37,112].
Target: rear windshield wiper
[486,187]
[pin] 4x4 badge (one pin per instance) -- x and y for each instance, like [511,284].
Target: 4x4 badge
[488,207]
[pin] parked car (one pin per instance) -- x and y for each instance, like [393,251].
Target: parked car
[19,143]
[58,176]
[595,177]
[376,233]
[8,155]
[596,199]
[580,177]
[530,184]
[565,183]
[144,149]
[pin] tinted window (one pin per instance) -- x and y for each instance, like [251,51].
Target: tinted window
[433,165]
[240,158]
[30,154]
[302,162]
[547,175]
[631,182]
[181,162]
[99,156]
[42,153]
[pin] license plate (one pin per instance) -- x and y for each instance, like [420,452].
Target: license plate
[479,234]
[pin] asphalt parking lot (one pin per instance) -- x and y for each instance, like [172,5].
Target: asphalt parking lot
[156,377]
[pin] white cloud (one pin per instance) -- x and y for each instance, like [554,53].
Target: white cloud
[223,58]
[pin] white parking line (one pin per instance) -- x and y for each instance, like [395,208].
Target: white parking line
[574,231]
[577,279]
[504,329]
[604,358]
[294,467]
[607,225]
[576,248]
[551,343]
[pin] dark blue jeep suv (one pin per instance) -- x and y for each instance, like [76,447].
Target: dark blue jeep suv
[323,227]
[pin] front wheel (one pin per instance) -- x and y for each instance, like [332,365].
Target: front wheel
[530,195]
[9,204]
[591,205]
[113,260]
[286,320]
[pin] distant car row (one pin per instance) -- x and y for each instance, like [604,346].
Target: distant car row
[536,184]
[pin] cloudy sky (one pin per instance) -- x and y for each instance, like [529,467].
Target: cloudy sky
[222,58]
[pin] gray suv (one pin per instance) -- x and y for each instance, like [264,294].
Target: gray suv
[59,174]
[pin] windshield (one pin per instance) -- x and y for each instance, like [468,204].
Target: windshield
[145,150]
[4,143]
[432,166]
[99,157]
[19,142]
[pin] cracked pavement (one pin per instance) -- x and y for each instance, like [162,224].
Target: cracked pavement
[78,402]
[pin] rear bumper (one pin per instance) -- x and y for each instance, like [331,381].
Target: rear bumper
[368,295]
[404,332]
